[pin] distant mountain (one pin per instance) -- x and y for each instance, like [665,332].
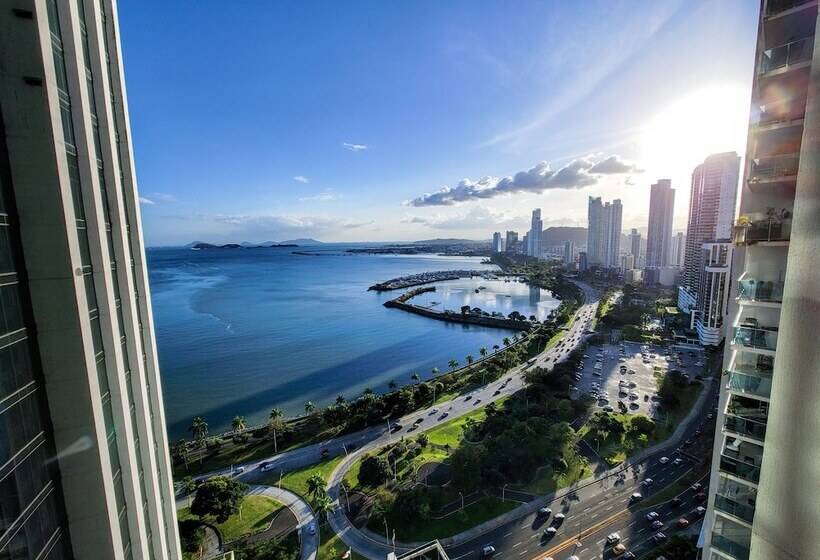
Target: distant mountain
[446,241]
[248,244]
[302,242]
[192,244]
[553,236]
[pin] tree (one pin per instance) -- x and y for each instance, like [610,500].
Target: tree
[434,371]
[506,341]
[453,364]
[191,535]
[199,429]
[180,451]
[482,352]
[323,506]
[374,471]
[466,464]
[643,425]
[188,487]
[496,347]
[310,408]
[218,497]
[238,423]
[316,485]
[469,359]
[393,385]
[276,425]
[340,400]
[415,377]
[423,440]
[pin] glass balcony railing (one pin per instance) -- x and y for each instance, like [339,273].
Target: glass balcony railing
[754,290]
[745,427]
[763,230]
[757,337]
[774,7]
[785,55]
[739,468]
[755,385]
[730,547]
[741,511]
[774,167]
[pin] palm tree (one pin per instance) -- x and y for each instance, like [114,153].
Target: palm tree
[310,408]
[482,351]
[469,359]
[415,377]
[393,385]
[434,371]
[340,400]
[323,506]
[496,347]
[276,415]
[453,364]
[506,341]
[238,423]
[316,485]
[199,429]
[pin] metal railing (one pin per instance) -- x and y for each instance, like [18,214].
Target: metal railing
[755,385]
[774,7]
[761,338]
[745,427]
[741,511]
[760,291]
[786,55]
[729,546]
[775,167]
[739,468]
[762,231]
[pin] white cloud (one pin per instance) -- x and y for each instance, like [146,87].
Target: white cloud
[147,201]
[354,147]
[479,218]
[578,173]
[324,196]
[301,179]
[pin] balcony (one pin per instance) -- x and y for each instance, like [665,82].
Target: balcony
[762,231]
[739,468]
[755,291]
[753,385]
[756,337]
[774,169]
[775,7]
[786,55]
[744,427]
[730,547]
[741,511]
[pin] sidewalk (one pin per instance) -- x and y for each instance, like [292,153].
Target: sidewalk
[302,511]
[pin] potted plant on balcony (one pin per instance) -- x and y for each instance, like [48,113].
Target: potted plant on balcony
[742,225]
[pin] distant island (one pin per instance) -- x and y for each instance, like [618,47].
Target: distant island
[201,246]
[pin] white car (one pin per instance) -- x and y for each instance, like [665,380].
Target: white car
[488,550]
[677,461]
[267,466]
[613,538]
[663,460]
[545,511]
[550,531]
[559,516]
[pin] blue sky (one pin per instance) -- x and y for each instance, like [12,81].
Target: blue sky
[274,120]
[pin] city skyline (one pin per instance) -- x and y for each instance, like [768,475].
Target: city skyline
[284,183]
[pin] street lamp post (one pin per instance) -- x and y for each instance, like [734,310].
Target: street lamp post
[503,488]
[462,500]
[347,497]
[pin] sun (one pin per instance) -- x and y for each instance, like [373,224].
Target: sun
[702,122]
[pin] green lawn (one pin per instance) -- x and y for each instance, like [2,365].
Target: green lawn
[429,529]
[255,516]
[332,547]
[296,481]
[546,480]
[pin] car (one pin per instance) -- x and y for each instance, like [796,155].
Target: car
[443,415]
[613,538]
[488,550]
[658,524]
[677,461]
[467,398]
[634,396]
[434,411]
[395,428]
[608,408]
[663,460]
[700,496]
[630,556]
[475,402]
[618,549]
[687,443]
[631,372]
[652,515]
[545,511]
[418,421]
[634,405]
[647,482]
[237,471]
[683,523]
[710,416]
[699,511]
[658,537]
[559,517]
[696,486]
[497,392]
[676,501]
[596,373]
[636,497]
[550,531]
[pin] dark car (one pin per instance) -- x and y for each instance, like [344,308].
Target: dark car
[395,428]
[675,502]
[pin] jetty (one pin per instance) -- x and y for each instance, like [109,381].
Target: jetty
[428,277]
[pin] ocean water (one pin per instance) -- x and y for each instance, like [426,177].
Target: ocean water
[242,331]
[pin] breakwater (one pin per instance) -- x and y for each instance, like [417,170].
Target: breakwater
[469,318]
[429,277]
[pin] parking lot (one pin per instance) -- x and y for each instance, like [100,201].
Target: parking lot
[624,372]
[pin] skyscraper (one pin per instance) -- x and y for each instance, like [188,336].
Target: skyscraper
[762,499]
[534,238]
[604,233]
[498,242]
[678,249]
[635,245]
[711,212]
[659,233]
[569,252]
[512,241]
[78,326]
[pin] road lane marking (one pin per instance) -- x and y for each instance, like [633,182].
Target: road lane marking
[517,544]
[580,536]
[508,534]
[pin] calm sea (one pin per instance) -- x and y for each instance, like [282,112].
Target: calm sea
[240,331]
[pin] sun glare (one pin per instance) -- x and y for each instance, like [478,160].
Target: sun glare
[702,122]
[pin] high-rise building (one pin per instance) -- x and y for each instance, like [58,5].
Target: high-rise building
[762,502]
[659,233]
[511,241]
[678,249]
[635,246]
[711,212]
[86,472]
[628,262]
[569,252]
[604,232]
[583,262]
[534,236]
[498,242]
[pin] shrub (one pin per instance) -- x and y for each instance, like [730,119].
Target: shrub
[374,471]
[191,535]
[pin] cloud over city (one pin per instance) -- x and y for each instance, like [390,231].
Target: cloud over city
[354,147]
[578,173]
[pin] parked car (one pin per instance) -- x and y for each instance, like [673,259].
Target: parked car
[652,516]
[699,511]
[658,537]
[613,538]
[618,549]
[636,497]
[663,460]
[545,511]
[657,524]
[683,523]
[488,550]
[647,482]
[676,501]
